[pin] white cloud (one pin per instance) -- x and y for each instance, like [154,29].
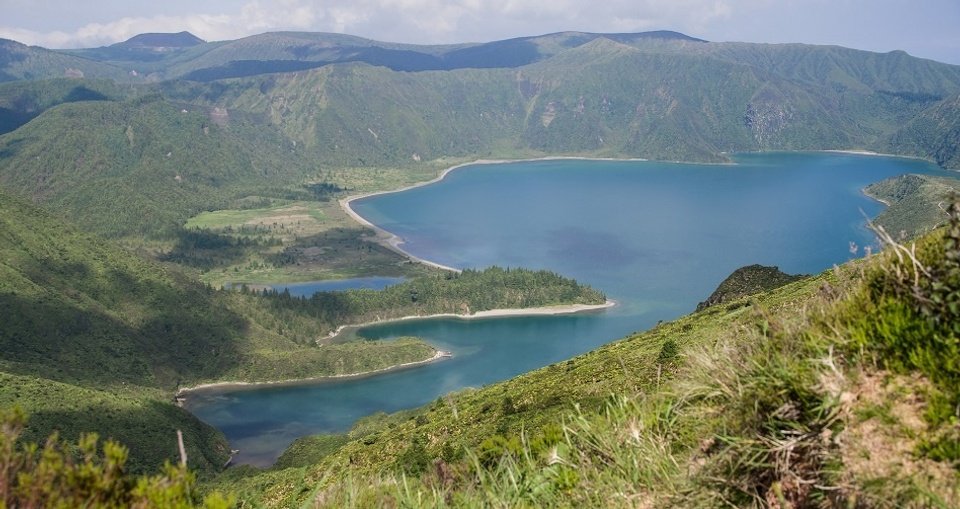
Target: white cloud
[251,18]
[419,21]
[878,25]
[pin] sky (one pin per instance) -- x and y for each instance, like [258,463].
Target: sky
[923,28]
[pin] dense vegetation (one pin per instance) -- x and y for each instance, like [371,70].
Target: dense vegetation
[72,301]
[782,398]
[580,94]
[142,167]
[22,101]
[837,389]
[747,281]
[80,475]
[916,203]
[462,293]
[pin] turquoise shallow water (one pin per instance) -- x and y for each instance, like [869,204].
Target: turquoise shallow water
[655,237]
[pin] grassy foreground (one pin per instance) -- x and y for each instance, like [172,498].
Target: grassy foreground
[836,390]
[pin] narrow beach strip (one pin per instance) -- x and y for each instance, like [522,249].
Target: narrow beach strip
[438,355]
[559,309]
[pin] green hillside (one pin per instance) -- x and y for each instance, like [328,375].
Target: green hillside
[916,204]
[233,168]
[96,338]
[180,148]
[22,101]
[142,419]
[747,281]
[143,167]
[21,62]
[603,97]
[934,134]
[838,389]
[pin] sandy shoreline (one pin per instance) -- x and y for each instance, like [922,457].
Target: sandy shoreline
[560,309]
[860,152]
[438,355]
[875,154]
[393,242]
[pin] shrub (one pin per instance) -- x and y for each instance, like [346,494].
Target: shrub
[54,477]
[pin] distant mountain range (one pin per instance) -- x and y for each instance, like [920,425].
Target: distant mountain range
[332,100]
[129,141]
[183,55]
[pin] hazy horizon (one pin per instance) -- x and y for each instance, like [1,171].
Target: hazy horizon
[926,30]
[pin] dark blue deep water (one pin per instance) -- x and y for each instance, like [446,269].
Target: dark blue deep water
[655,237]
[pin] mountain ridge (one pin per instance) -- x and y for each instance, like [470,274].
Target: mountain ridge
[137,162]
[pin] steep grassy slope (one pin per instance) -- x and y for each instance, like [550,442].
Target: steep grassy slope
[22,101]
[107,163]
[94,338]
[835,390]
[916,203]
[143,167]
[603,97]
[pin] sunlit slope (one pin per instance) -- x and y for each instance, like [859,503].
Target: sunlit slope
[142,167]
[21,62]
[187,146]
[664,100]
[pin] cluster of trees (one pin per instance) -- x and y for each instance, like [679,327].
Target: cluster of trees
[462,293]
[205,249]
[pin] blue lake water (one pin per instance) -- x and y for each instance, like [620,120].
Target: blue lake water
[655,237]
[309,288]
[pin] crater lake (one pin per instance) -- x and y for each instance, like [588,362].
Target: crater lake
[655,237]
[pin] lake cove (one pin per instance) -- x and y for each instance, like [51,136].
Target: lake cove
[309,288]
[655,237]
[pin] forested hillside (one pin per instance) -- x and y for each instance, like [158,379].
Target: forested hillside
[131,173]
[96,338]
[179,147]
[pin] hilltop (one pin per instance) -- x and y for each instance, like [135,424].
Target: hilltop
[160,41]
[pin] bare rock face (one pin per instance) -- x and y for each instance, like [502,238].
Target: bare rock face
[748,281]
[220,116]
[766,120]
